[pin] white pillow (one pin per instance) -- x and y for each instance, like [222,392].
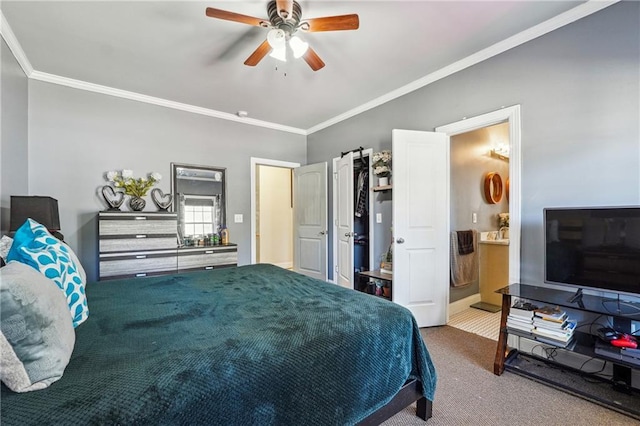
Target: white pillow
[37,335]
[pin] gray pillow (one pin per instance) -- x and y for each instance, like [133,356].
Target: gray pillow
[5,246]
[37,335]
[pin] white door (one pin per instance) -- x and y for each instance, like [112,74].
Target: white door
[344,220]
[310,220]
[420,225]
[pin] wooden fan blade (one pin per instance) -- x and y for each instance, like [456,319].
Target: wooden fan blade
[285,8]
[236,17]
[312,58]
[331,23]
[258,54]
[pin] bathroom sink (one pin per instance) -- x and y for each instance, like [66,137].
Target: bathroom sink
[493,237]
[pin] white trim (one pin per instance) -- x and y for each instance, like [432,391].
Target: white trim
[284,265]
[262,162]
[462,304]
[578,12]
[536,31]
[511,115]
[14,45]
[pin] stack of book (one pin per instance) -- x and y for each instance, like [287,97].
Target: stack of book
[552,325]
[521,317]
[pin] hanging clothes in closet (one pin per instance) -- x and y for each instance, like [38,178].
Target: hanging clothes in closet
[362,194]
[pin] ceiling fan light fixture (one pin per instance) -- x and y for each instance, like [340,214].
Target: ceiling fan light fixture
[298,46]
[276,38]
[279,53]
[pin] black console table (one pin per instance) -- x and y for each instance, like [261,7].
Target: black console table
[619,395]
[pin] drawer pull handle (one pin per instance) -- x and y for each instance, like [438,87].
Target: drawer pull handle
[208,252]
[208,267]
[141,218]
[141,275]
[141,256]
[141,236]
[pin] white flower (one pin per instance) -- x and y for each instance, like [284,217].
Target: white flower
[381,163]
[156,176]
[111,175]
[127,173]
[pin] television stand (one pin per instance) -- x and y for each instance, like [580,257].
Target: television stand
[619,395]
[577,296]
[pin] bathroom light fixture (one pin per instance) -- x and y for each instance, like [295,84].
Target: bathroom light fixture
[501,152]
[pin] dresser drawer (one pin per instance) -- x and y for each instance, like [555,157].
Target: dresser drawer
[207,258]
[132,224]
[137,264]
[110,245]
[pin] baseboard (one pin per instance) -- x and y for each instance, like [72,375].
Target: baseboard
[462,304]
[285,265]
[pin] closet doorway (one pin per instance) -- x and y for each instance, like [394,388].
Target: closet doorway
[303,192]
[353,237]
[272,212]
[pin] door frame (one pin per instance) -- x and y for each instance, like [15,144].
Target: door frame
[261,162]
[512,116]
[334,205]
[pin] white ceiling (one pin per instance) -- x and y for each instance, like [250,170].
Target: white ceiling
[172,51]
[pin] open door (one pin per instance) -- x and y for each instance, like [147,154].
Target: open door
[421,224]
[344,220]
[310,220]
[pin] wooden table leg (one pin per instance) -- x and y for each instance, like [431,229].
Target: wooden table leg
[501,350]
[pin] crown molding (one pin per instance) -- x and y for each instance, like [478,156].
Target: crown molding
[14,45]
[105,90]
[579,12]
[572,15]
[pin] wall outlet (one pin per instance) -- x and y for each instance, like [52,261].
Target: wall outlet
[378,217]
[237,218]
[474,217]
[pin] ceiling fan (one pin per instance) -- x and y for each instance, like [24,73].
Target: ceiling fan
[285,19]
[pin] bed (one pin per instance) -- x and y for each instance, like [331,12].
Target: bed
[249,345]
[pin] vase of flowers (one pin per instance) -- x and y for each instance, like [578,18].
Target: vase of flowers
[136,188]
[382,166]
[503,225]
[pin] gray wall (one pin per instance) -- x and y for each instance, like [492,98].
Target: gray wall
[13,133]
[579,89]
[470,162]
[76,136]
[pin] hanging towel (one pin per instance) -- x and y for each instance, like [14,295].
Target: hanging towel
[464,267]
[465,241]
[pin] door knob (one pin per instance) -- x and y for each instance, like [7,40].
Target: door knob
[323,233]
[400,241]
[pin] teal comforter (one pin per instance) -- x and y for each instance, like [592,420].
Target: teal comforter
[253,345]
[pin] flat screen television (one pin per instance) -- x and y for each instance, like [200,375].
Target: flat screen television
[596,248]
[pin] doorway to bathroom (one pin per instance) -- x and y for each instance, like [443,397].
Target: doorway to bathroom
[484,174]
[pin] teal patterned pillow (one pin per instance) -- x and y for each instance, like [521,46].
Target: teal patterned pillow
[36,247]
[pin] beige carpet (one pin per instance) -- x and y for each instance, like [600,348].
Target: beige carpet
[468,393]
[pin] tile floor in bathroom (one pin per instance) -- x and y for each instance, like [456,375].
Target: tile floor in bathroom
[477,321]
